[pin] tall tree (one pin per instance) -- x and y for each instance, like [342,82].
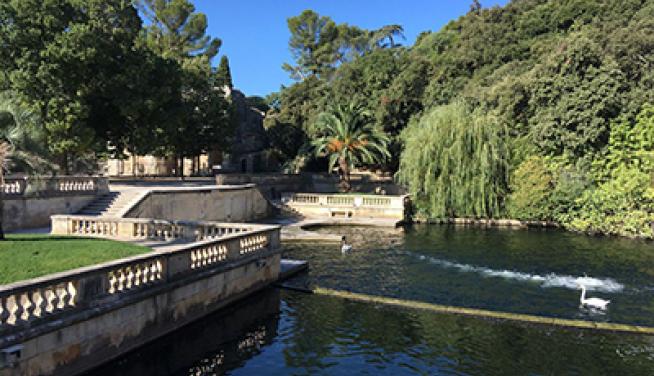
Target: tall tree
[178,32]
[349,138]
[65,54]
[223,75]
[313,44]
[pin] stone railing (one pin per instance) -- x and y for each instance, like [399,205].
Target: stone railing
[50,298]
[53,186]
[333,205]
[145,229]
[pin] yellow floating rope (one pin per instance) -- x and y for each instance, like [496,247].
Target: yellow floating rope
[604,326]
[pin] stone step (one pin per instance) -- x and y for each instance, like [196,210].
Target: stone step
[111,204]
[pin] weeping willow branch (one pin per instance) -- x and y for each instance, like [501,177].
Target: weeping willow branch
[455,162]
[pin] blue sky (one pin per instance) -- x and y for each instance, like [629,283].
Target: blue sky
[255,35]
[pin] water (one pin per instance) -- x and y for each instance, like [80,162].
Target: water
[282,332]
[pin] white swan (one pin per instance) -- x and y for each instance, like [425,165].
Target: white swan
[344,246]
[592,302]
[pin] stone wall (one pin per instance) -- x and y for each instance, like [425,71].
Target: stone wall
[270,185]
[229,204]
[35,212]
[29,202]
[87,343]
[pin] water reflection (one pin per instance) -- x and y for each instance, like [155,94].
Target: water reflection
[219,342]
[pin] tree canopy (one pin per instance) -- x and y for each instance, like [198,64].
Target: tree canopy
[565,79]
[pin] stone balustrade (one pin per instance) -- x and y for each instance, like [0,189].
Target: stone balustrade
[48,299]
[334,205]
[131,229]
[53,186]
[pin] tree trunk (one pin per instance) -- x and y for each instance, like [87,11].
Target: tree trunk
[64,163]
[345,174]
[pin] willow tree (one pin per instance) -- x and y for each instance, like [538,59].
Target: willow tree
[349,138]
[455,162]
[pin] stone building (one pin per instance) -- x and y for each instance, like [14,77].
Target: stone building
[248,150]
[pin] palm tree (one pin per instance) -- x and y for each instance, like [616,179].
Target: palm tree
[348,138]
[22,146]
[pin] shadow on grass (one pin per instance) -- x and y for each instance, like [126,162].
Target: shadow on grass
[48,238]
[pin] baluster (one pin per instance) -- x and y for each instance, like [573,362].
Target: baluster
[159,269]
[137,275]
[204,256]
[146,273]
[12,309]
[121,280]
[113,281]
[62,294]
[72,293]
[129,277]
[50,299]
[194,258]
[26,305]
[4,312]
[39,303]
[214,251]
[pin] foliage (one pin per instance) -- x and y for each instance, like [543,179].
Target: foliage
[66,56]
[531,186]
[624,205]
[202,116]
[348,137]
[223,75]
[20,130]
[455,161]
[176,31]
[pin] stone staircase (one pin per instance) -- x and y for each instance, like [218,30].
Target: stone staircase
[283,210]
[113,204]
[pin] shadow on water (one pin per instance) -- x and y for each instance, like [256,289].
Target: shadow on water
[217,343]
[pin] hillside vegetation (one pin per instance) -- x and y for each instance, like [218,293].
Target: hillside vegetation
[538,110]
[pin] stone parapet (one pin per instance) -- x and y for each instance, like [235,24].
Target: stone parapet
[348,206]
[43,187]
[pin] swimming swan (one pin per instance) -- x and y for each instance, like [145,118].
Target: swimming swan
[592,302]
[344,246]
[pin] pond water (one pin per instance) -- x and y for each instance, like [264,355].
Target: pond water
[526,271]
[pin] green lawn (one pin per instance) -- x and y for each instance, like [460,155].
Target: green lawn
[28,256]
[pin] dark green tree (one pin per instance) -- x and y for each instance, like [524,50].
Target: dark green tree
[313,44]
[178,33]
[65,54]
[223,75]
